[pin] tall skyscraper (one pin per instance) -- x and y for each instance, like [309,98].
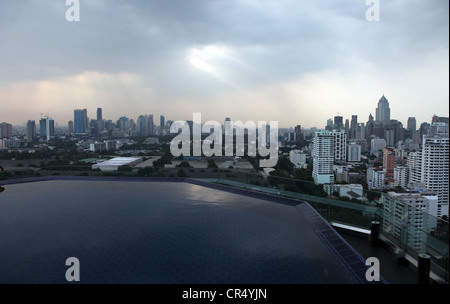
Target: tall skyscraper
[93,127]
[339,122]
[151,125]
[347,128]
[398,131]
[162,121]
[298,133]
[80,121]
[123,123]
[360,131]
[353,125]
[99,114]
[369,127]
[50,128]
[30,132]
[5,130]
[389,136]
[46,128]
[100,123]
[43,127]
[383,112]
[132,125]
[70,126]
[86,120]
[411,125]
[323,157]
[330,125]
[423,130]
[142,125]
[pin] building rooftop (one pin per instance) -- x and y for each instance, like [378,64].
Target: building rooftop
[118,161]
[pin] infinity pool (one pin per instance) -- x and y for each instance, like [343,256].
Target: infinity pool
[158,232]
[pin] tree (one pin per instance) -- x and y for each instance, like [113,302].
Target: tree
[284,164]
[147,171]
[304,174]
[165,159]
[212,163]
[124,169]
[181,173]
[184,164]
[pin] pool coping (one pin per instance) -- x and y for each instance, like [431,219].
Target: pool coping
[346,255]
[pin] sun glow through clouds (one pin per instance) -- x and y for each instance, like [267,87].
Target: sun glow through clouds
[211,59]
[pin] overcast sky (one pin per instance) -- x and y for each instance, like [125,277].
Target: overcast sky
[296,62]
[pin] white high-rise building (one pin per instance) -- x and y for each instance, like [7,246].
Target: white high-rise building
[435,169]
[438,128]
[323,157]
[298,158]
[377,144]
[410,216]
[376,178]
[98,147]
[414,167]
[401,176]
[354,152]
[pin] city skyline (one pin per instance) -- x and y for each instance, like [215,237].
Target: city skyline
[355,119]
[296,62]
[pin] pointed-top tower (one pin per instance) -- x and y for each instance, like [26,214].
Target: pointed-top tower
[383,112]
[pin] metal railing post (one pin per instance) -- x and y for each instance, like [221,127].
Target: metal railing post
[423,269]
[374,233]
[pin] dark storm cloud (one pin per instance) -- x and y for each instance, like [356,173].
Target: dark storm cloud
[269,42]
[281,38]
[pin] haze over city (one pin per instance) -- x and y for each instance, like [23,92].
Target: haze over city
[297,62]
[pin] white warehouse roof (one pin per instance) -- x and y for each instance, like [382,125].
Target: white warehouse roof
[117,162]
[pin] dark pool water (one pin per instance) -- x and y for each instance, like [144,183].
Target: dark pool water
[156,232]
